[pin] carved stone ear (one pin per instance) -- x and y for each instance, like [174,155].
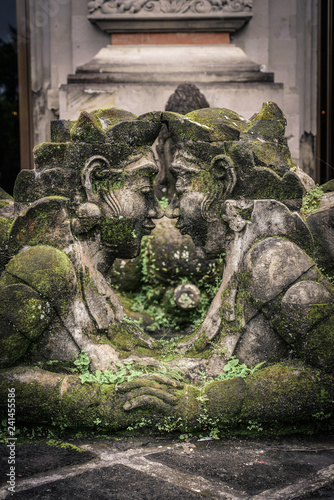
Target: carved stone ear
[223,170]
[96,167]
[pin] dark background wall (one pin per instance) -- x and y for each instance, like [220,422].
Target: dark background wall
[9,118]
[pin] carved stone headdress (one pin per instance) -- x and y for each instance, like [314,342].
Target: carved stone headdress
[113,134]
[249,158]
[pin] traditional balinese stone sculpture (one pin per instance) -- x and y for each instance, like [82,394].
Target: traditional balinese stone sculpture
[239,195]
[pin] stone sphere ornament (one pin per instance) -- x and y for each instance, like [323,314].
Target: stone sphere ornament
[67,345]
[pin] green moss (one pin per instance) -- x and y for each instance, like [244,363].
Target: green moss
[5,227]
[23,308]
[225,398]
[122,338]
[63,445]
[245,213]
[13,345]
[50,154]
[80,402]
[201,343]
[48,271]
[39,225]
[311,201]
[282,392]
[320,344]
[116,231]
[37,394]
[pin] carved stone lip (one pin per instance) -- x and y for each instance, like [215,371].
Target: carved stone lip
[148,227]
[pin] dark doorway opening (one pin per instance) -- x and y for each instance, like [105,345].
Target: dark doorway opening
[9,99]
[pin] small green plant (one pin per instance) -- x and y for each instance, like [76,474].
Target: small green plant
[143,422]
[326,274]
[164,202]
[167,347]
[321,415]
[126,372]
[169,424]
[82,362]
[254,425]
[208,424]
[311,200]
[236,369]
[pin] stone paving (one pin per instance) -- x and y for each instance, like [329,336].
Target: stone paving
[146,468]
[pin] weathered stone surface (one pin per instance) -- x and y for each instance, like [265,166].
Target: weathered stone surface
[12,344]
[225,398]
[260,343]
[274,265]
[48,271]
[282,391]
[36,394]
[78,401]
[44,222]
[321,224]
[25,309]
[234,184]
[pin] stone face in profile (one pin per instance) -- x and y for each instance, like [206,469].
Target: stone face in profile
[90,200]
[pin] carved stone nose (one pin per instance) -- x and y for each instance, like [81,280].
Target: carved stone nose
[156,213]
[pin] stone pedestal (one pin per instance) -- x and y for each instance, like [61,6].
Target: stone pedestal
[140,78]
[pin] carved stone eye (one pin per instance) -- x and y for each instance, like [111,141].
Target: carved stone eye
[180,185]
[145,189]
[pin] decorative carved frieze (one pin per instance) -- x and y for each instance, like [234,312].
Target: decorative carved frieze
[169,15]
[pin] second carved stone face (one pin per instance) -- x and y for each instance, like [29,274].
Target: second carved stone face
[196,207]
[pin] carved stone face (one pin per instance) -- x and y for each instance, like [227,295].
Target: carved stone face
[196,207]
[128,206]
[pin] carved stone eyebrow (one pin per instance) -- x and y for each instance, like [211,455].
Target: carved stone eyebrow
[147,165]
[179,167]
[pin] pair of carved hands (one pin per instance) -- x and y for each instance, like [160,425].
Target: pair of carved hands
[158,391]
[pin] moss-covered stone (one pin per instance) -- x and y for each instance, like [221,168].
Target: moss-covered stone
[13,345]
[37,394]
[48,271]
[319,345]
[282,392]
[24,308]
[80,402]
[5,226]
[268,125]
[225,397]
[124,339]
[43,223]
[116,231]
[58,180]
